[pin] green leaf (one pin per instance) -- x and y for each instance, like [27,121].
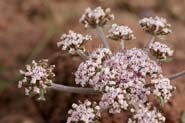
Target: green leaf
[166,60]
[183,117]
[161,101]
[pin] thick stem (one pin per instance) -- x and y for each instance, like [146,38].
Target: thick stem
[78,90]
[101,34]
[82,54]
[151,40]
[180,74]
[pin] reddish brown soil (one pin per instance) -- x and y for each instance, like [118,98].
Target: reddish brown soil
[25,24]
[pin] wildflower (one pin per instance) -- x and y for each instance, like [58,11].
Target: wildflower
[99,55]
[160,51]
[124,95]
[155,25]
[86,112]
[88,71]
[37,78]
[146,114]
[162,88]
[73,41]
[141,63]
[103,70]
[96,17]
[120,33]
[114,100]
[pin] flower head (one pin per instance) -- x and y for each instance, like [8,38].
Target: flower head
[88,71]
[72,41]
[120,33]
[147,115]
[99,55]
[155,26]
[96,17]
[114,100]
[37,77]
[160,51]
[162,87]
[86,112]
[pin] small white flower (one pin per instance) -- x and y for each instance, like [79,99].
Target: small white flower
[160,51]
[88,71]
[72,41]
[99,55]
[114,100]
[86,112]
[147,115]
[155,25]
[162,87]
[120,33]
[96,17]
[37,77]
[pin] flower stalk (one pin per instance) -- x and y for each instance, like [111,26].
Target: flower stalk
[70,89]
[101,34]
[122,45]
[82,54]
[177,75]
[151,40]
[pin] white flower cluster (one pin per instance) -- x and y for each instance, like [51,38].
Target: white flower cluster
[88,71]
[155,25]
[37,77]
[147,115]
[114,100]
[86,112]
[141,63]
[124,74]
[99,55]
[120,77]
[160,51]
[72,41]
[120,33]
[96,17]
[162,88]
[125,78]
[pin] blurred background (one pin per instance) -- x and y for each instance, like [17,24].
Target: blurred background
[30,29]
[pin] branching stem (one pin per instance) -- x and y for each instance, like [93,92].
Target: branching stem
[101,34]
[81,90]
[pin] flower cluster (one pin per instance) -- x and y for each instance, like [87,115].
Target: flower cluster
[88,71]
[96,17]
[120,77]
[162,88]
[147,115]
[114,100]
[120,33]
[125,78]
[37,77]
[86,112]
[160,51]
[126,67]
[155,26]
[72,41]
[141,63]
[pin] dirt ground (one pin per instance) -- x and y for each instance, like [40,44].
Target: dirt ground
[29,29]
